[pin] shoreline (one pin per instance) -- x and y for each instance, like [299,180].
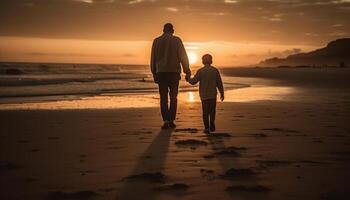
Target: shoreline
[122,91]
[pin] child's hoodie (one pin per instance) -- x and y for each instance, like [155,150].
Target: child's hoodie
[209,79]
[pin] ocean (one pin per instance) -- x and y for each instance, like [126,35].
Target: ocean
[24,84]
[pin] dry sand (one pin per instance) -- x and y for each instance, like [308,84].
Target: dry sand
[277,149]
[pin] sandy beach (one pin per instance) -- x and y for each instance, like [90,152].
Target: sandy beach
[291,143]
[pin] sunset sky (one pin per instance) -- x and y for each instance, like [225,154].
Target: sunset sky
[236,32]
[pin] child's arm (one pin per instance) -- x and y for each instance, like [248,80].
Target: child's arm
[194,80]
[219,85]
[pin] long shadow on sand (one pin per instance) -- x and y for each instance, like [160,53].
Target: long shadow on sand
[147,172]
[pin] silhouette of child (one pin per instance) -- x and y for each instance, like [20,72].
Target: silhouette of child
[209,79]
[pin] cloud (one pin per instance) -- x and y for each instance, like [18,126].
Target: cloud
[338,25]
[128,55]
[172,9]
[284,53]
[95,1]
[216,13]
[200,20]
[340,1]
[43,54]
[96,55]
[274,17]
[135,1]
[338,33]
[312,34]
[231,1]
[139,1]
[85,1]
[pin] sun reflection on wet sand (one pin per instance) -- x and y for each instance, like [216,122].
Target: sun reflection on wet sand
[248,94]
[97,102]
[191,97]
[251,94]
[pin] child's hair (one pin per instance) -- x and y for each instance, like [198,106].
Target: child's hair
[207,59]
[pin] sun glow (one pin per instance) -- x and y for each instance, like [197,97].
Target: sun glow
[192,57]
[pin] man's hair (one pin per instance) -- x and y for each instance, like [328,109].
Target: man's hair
[207,59]
[168,28]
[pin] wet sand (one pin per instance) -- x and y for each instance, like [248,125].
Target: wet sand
[263,149]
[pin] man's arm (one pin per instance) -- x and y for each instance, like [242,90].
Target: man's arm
[153,61]
[153,58]
[183,58]
[219,85]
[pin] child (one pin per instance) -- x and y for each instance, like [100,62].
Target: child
[209,79]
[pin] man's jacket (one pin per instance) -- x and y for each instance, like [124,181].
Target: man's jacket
[168,54]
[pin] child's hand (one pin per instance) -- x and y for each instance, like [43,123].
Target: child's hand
[222,97]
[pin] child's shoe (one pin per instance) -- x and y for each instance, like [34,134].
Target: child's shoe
[165,125]
[172,124]
[212,127]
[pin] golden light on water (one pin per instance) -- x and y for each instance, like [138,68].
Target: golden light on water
[192,57]
[191,97]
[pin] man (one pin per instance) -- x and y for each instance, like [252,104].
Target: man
[167,57]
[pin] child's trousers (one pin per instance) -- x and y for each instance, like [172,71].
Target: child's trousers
[209,110]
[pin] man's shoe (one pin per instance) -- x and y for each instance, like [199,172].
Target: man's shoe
[172,124]
[206,131]
[212,127]
[165,125]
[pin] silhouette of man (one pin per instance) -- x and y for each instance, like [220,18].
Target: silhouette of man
[167,57]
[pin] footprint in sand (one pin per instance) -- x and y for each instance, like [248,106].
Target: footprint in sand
[189,130]
[34,150]
[156,177]
[191,143]
[258,135]
[219,135]
[336,195]
[177,189]
[57,195]
[114,147]
[30,179]
[85,172]
[53,138]
[234,173]
[107,189]
[208,174]
[230,151]
[280,130]
[273,163]
[247,189]
[8,166]
[210,156]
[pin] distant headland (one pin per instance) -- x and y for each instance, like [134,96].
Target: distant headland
[335,54]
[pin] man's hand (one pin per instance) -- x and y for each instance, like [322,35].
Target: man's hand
[155,78]
[222,97]
[188,77]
